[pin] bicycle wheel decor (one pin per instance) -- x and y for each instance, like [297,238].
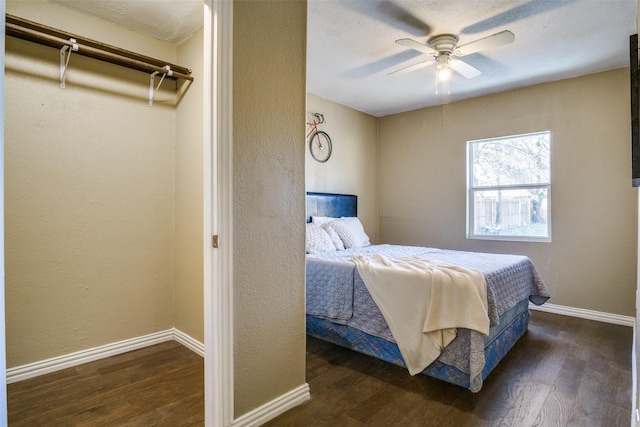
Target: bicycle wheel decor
[320,146]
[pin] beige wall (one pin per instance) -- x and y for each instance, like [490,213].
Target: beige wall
[591,262]
[90,194]
[269,39]
[353,164]
[189,299]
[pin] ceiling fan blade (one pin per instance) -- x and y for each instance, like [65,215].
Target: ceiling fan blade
[515,14]
[392,14]
[412,44]
[409,68]
[465,69]
[404,19]
[495,40]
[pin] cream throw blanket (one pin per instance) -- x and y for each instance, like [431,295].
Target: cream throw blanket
[423,302]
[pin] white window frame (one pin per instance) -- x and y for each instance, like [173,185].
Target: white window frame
[471,190]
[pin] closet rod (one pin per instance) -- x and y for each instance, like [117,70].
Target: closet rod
[32,31]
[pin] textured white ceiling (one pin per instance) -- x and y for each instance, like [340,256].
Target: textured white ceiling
[351,46]
[351,43]
[172,21]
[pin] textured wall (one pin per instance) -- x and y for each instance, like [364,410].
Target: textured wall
[189,309]
[591,262]
[89,194]
[268,200]
[352,168]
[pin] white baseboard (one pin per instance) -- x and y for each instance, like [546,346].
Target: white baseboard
[47,366]
[272,409]
[189,342]
[585,314]
[256,417]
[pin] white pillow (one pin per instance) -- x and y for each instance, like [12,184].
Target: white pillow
[351,232]
[333,234]
[321,220]
[318,240]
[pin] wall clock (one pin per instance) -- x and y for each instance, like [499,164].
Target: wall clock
[320,146]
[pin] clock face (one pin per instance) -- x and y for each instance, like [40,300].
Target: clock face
[320,146]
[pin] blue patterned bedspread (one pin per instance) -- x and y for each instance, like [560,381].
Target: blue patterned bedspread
[331,293]
[335,291]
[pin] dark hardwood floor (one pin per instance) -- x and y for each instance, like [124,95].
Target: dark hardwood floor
[157,385]
[564,372]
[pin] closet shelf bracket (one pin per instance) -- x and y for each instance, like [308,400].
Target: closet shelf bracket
[152,88]
[65,56]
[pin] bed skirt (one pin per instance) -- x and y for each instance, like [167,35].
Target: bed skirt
[513,324]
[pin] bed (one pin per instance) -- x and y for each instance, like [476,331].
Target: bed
[340,308]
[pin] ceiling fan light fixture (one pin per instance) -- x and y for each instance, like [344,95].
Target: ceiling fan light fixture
[444,74]
[442,63]
[443,83]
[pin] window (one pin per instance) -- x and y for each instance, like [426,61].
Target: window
[509,183]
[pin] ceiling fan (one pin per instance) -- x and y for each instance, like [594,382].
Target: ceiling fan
[444,49]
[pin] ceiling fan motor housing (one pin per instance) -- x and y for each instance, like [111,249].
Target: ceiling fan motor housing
[443,43]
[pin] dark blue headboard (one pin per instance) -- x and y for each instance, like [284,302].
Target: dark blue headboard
[330,204]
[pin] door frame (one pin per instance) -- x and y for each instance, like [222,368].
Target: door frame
[3,354]
[217,207]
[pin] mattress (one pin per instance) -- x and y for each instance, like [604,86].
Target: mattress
[513,324]
[339,305]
